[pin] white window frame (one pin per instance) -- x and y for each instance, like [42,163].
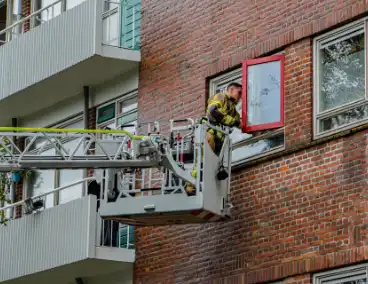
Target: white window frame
[118,115]
[350,273]
[27,189]
[336,35]
[108,13]
[117,101]
[226,79]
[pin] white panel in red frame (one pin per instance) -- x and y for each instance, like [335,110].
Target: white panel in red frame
[265,93]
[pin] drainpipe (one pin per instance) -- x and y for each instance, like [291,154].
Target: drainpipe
[9,14]
[17,10]
[86,106]
[86,126]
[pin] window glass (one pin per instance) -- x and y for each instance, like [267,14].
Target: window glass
[51,12]
[342,69]
[340,78]
[44,181]
[2,21]
[128,105]
[263,93]
[127,118]
[257,148]
[348,275]
[110,26]
[243,150]
[70,176]
[130,24]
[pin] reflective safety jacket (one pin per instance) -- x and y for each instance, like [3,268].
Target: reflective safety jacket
[222,110]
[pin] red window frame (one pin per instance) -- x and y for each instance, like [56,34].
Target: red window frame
[265,126]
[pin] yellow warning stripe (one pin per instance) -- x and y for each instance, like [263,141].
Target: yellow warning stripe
[71,130]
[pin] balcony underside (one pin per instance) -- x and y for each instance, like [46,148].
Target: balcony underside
[86,269]
[68,83]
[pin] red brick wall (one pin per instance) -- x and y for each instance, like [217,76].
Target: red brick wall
[92,125]
[295,214]
[26,11]
[19,185]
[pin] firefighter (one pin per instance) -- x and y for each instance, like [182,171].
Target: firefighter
[221,110]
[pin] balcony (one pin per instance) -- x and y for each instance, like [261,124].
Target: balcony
[62,243]
[51,54]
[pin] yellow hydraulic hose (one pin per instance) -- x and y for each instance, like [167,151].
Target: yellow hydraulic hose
[70,130]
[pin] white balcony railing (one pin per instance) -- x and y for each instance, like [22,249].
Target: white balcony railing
[109,233]
[120,20]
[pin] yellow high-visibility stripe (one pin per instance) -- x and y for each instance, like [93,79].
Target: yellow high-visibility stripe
[70,130]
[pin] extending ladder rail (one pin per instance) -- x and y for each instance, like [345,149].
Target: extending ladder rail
[90,149]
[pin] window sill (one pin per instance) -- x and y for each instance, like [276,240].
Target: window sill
[342,129]
[264,155]
[265,135]
[257,158]
[288,151]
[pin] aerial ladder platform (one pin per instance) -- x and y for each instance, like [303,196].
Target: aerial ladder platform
[142,178]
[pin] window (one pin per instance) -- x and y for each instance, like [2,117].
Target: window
[340,99]
[3,18]
[348,275]
[47,180]
[121,23]
[263,103]
[54,10]
[131,22]
[262,139]
[120,114]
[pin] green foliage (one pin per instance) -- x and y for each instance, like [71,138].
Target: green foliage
[5,182]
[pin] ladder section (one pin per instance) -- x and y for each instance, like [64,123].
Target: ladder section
[45,149]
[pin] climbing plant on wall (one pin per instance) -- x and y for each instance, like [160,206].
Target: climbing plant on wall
[4,193]
[6,178]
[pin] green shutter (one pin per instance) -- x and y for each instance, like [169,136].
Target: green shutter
[106,113]
[131,24]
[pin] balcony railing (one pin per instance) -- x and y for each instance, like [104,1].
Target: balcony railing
[109,233]
[120,20]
